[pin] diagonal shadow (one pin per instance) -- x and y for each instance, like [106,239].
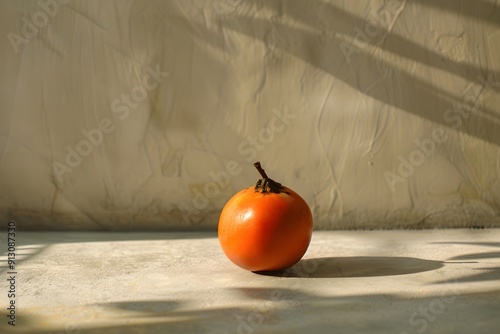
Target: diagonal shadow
[483,274]
[472,243]
[375,77]
[488,255]
[345,22]
[479,9]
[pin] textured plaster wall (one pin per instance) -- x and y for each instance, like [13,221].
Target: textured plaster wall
[149,114]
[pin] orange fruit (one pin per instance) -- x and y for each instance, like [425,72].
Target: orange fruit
[266,227]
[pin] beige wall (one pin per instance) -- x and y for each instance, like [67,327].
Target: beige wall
[380,114]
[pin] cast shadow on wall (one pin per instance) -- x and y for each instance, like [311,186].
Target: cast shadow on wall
[332,50]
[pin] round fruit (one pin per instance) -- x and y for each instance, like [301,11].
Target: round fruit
[266,227]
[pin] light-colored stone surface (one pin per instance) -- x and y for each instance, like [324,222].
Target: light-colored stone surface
[391,111]
[433,281]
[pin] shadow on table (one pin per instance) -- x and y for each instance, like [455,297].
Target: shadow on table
[258,309]
[356,266]
[284,310]
[483,274]
[373,266]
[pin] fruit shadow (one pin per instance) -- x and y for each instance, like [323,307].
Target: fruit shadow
[356,266]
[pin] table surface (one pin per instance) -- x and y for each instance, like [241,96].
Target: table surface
[426,281]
